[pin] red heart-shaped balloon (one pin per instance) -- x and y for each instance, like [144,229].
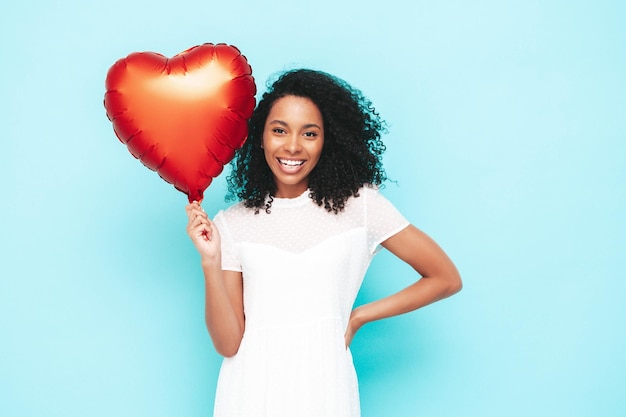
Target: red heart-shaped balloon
[183,117]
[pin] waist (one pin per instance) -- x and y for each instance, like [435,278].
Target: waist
[294,325]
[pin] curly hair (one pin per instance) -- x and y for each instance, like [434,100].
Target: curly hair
[352,152]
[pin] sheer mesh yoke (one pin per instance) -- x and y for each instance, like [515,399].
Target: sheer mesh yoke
[298,224]
[302,268]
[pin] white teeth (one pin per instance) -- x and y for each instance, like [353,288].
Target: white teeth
[290,162]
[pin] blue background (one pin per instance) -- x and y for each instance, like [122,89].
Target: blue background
[507,144]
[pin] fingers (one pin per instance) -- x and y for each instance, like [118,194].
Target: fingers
[199,219]
[194,207]
[199,223]
[200,229]
[194,210]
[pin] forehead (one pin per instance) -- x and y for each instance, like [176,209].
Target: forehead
[295,107]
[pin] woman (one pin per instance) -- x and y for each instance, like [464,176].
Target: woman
[283,267]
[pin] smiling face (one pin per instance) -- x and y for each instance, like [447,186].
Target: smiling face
[293,139]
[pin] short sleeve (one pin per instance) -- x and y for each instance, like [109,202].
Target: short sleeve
[230,260]
[382,219]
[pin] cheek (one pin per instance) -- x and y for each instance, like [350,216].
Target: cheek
[267,155]
[318,149]
[266,147]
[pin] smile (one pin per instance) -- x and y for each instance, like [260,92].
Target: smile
[290,162]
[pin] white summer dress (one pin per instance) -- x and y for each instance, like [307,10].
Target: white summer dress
[302,268]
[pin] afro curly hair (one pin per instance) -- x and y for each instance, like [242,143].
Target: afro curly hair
[352,152]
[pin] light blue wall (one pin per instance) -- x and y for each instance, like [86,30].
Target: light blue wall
[507,141]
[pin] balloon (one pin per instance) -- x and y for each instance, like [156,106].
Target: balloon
[183,117]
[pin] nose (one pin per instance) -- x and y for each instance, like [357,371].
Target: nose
[293,144]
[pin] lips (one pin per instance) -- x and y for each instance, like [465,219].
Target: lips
[290,162]
[290,166]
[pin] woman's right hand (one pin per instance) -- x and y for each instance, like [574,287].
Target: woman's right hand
[203,232]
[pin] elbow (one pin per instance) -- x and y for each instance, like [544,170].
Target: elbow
[456,287]
[455,284]
[450,283]
[227,350]
[226,344]
[227,353]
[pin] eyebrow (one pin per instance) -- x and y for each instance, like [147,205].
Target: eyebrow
[306,126]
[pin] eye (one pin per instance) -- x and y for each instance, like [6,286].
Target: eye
[279,130]
[310,134]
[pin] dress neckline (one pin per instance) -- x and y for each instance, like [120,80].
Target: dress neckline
[292,202]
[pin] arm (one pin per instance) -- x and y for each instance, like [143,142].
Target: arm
[439,279]
[223,289]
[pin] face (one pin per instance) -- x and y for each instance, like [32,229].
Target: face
[293,139]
